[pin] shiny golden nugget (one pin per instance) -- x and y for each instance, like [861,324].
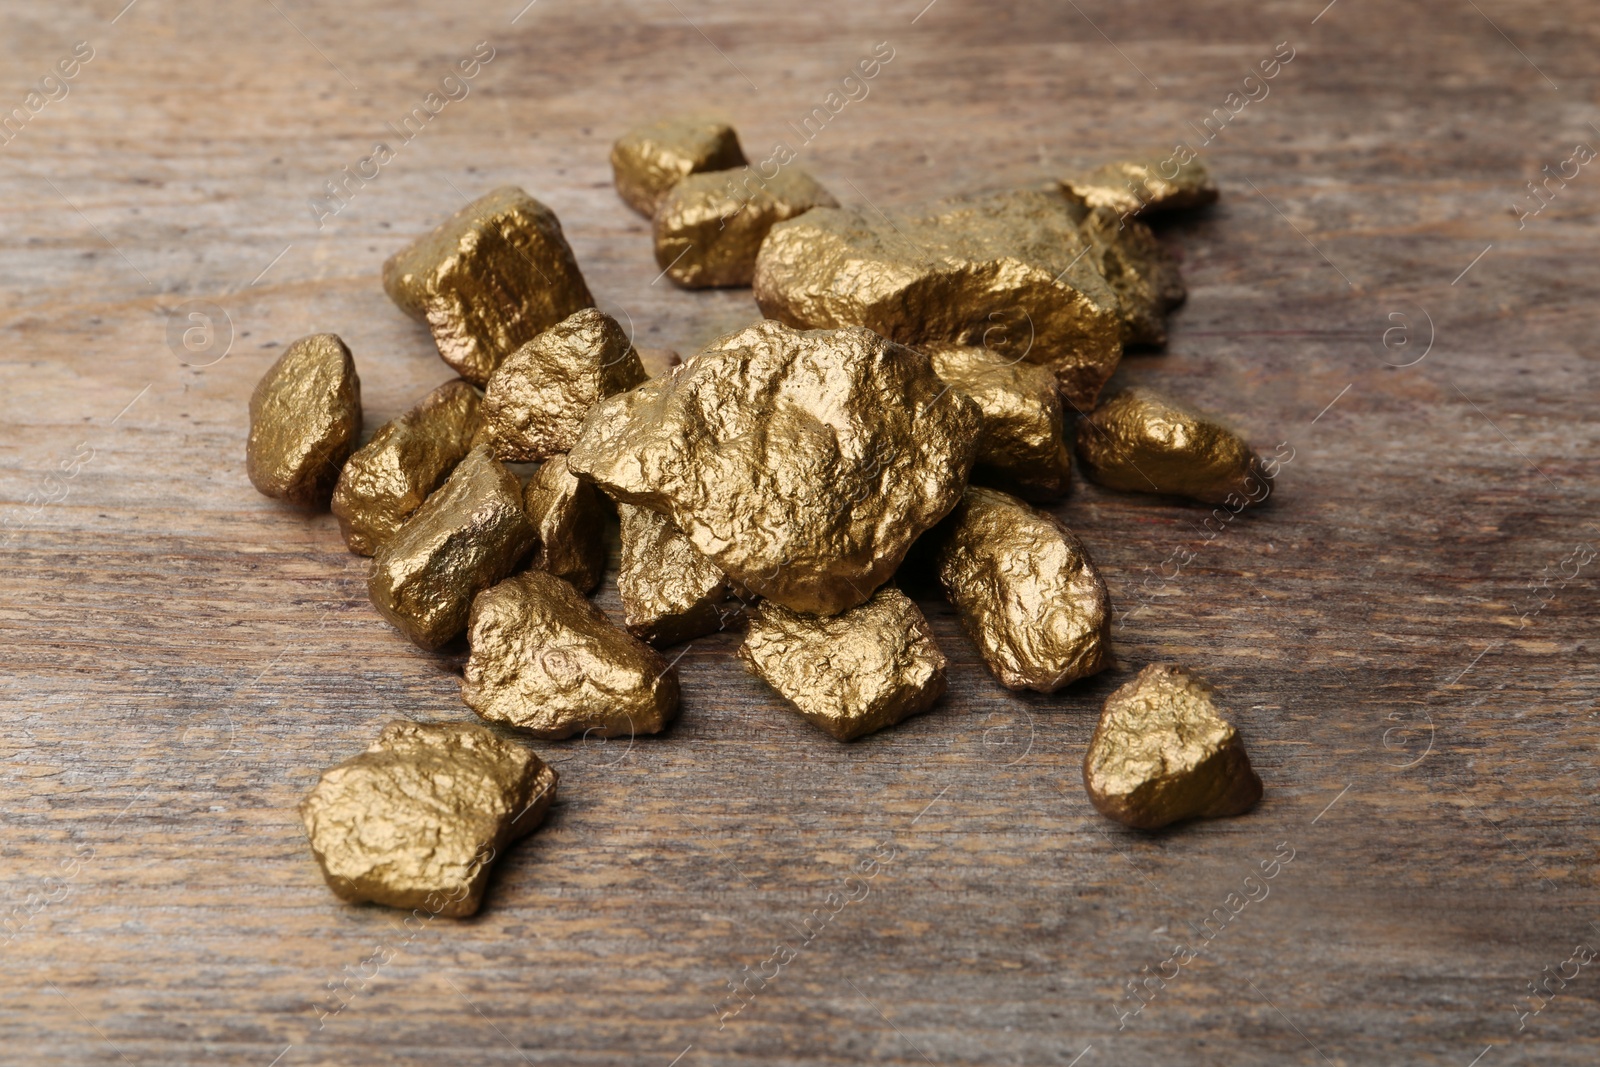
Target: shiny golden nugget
[1027,592]
[646,162]
[468,535]
[538,398]
[1010,272]
[416,820]
[1021,448]
[305,417]
[802,463]
[1141,272]
[1139,441]
[709,229]
[1146,186]
[488,280]
[391,475]
[545,660]
[570,518]
[850,674]
[1161,753]
[670,592]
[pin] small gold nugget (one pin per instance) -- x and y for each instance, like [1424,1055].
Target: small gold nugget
[488,279]
[853,673]
[305,417]
[545,660]
[803,464]
[1162,753]
[1147,186]
[1027,592]
[710,227]
[1021,448]
[570,518]
[1141,272]
[539,396]
[648,161]
[468,535]
[670,592]
[416,820]
[391,475]
[1011,272]
[1139,441]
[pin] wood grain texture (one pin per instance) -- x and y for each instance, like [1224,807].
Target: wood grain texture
[182,657]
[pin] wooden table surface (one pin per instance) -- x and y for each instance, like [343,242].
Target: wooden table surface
[1405,635]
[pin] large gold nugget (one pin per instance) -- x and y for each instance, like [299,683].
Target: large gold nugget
[545,660]
[1021,448]
[1146,186]
[391,475]
[305,417]
[467,536]
[570,518]
[1140,270]
[1011,272]
[852,673]
[670,592]
[1027,592]
[1139,441]
[709,229]
[646,162]
[538,398]
[488,279]
[1161,753]
[803,464]
[416,820]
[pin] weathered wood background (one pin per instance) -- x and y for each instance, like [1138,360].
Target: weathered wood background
[1405,635]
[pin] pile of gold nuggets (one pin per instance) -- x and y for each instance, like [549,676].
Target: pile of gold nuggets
[902,393]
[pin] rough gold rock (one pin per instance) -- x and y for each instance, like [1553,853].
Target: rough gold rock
[670,592]
[545,660]
[853,673]
[305,417]
[1141,272]
[1021,448]
[1011,272]
[537,399]
[710,227]
[468,535]
[570,518]
[648,161]
[1027,592]
[391,475]
[1146,186]
[1162,753]
[417,819]
[802,463]
[488,280]
[1139,441]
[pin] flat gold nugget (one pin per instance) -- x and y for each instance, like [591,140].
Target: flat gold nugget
[1021,448]
[1141,272]
[488,280]
[710,227]
[1027,592]
[467,536]
[545,660]
[416,820]
[852,673]
[646,162]
[409,457]
[570,518]
[1139,441]
[305,417]
[1162,753]
[1146,186]
[670,592]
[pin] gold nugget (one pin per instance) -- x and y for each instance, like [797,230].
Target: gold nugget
[1139,441]
[416,820]
[648,161]
[850,674]
[545,660]
[670,592]
[1147,186]
[1140,271]
[468,535]
[803,464]
[1027,592]
[391,475]
[570,518]
[1162,753]
[488,279]
[710,227]
[305,417]
[1021,448]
